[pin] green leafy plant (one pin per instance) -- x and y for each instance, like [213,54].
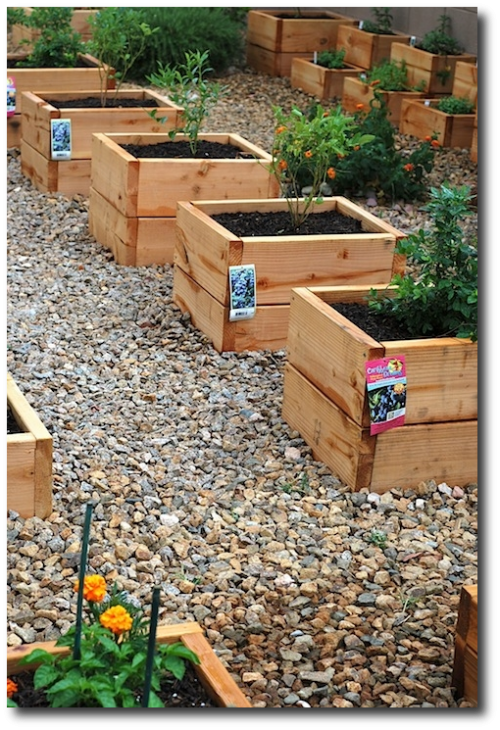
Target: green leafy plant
[57,45]
[15,16]
[442,300]
[378,538]
[118,39]
[114,659]
[301,485]
[303,149]
[439,41]
[390,76]
[188,87]
[333,58]
[455,105]
[382,25]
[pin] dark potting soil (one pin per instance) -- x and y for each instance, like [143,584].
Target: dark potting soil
[12,424]
[94,102]
[188,692]
[172,150]
[18,63]
[379,326]
[279,224]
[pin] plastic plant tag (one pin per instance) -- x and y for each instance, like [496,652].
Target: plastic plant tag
[413,40]
[315,57]
[242,292]
[386,386]
[361,23]
[60,139]
[427,102]
[11,96]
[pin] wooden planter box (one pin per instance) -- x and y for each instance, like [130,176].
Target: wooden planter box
[325,398]
[473,146]
[73,176]
[429,67]
[324,83]
[133,201]
[50,79]
[465,81]
[464,679]
[367,49]
[358,92]
[29,459]
[204,251]
[421,118]
[211,672]
[276,37]
[79,22]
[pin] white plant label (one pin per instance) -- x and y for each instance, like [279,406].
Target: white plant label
[242,292]
[60,139]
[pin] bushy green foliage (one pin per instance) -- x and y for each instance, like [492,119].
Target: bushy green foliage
[379,165]
[382,25]
[58,45]
[442,300]
[439,40]
[219,31]
[333,58]
[390,76]
[455,105]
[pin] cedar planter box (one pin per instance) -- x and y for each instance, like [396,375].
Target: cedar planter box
[465,81]
[204,251]
[465,663]
[358,92]
[367,49]
[79,23]
[429,67]
[133,201]
[324,83]
[50,79]
[276,37]
[216,679]
[73,176]
[421,118]
[325,398]
[29,459]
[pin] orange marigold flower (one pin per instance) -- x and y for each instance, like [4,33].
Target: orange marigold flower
[11,687]
[94,588]
[435,143]
[331,173]
[360,106]
[428,138]
[408,167]
[308,153]
[356,147]
[117,619]
[326,114]
[281,129]
[374,83]
[282,165]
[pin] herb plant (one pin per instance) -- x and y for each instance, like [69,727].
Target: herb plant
[305,148]
[114,659]
[390,76]
[118,39]
[455,105]
[442,300]
[333,58]
[439,41]
[188,87]
[382,25]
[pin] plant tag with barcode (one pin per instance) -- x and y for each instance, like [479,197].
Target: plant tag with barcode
[386,386]
[60,139]
[242,292]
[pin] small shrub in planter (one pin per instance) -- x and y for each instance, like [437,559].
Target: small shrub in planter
[382,25]
[58,45]
[439,40]
[333,58]
[390,76]
[455,105]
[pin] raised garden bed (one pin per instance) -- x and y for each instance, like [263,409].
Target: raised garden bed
[366,49]
[421,118]
[324,83]
[435,71]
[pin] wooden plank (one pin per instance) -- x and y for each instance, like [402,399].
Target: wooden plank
[21,473]
[324,83]
[267,330]
[280,32]
[14,131]
[465,81]
[366,49]
[34,166]
[436,72]
[114,174]
[465,664]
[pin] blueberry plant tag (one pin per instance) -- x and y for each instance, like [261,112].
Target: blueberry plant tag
[386,386]
[413,40]
[60,139]
[11,96]
[242,292]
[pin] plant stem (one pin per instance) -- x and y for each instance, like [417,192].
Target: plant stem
[81,581]
[151,646]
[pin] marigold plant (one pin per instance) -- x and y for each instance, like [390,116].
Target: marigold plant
[303,147]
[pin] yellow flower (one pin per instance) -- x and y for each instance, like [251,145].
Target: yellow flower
[331,173]
[11,687]
[308,154]
[94,588]
[117,619]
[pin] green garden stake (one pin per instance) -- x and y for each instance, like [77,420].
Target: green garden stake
[151,645]
[81,580]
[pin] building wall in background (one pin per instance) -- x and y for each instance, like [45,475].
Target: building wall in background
[418,21]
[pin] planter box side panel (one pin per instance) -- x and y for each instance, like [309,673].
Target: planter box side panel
[465,664]
[114,174]
[366,49]
[319,81]
[41,172]
[267,330]
[452,130]
[465,81]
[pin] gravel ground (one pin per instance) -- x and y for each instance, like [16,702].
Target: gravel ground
[201,486]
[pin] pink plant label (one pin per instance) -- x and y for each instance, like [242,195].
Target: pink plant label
[386,386]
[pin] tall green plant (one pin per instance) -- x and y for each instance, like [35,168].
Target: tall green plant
[443,298]
[118,39]
[188,87]
[382,24]
[57,44]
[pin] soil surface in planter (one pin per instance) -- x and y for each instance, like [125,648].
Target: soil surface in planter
[12,63]
[176,150]
[12,424]
[379,326]
[93,102]
[279,223]
[188,692]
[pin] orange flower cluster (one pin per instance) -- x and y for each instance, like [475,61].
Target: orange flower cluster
[408,167]
[308,154]
[11,687]
[428,138]
[280,129]
[331,173]
[360,106]
[94,588]
[117,619]
[435,143]
[282,165]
